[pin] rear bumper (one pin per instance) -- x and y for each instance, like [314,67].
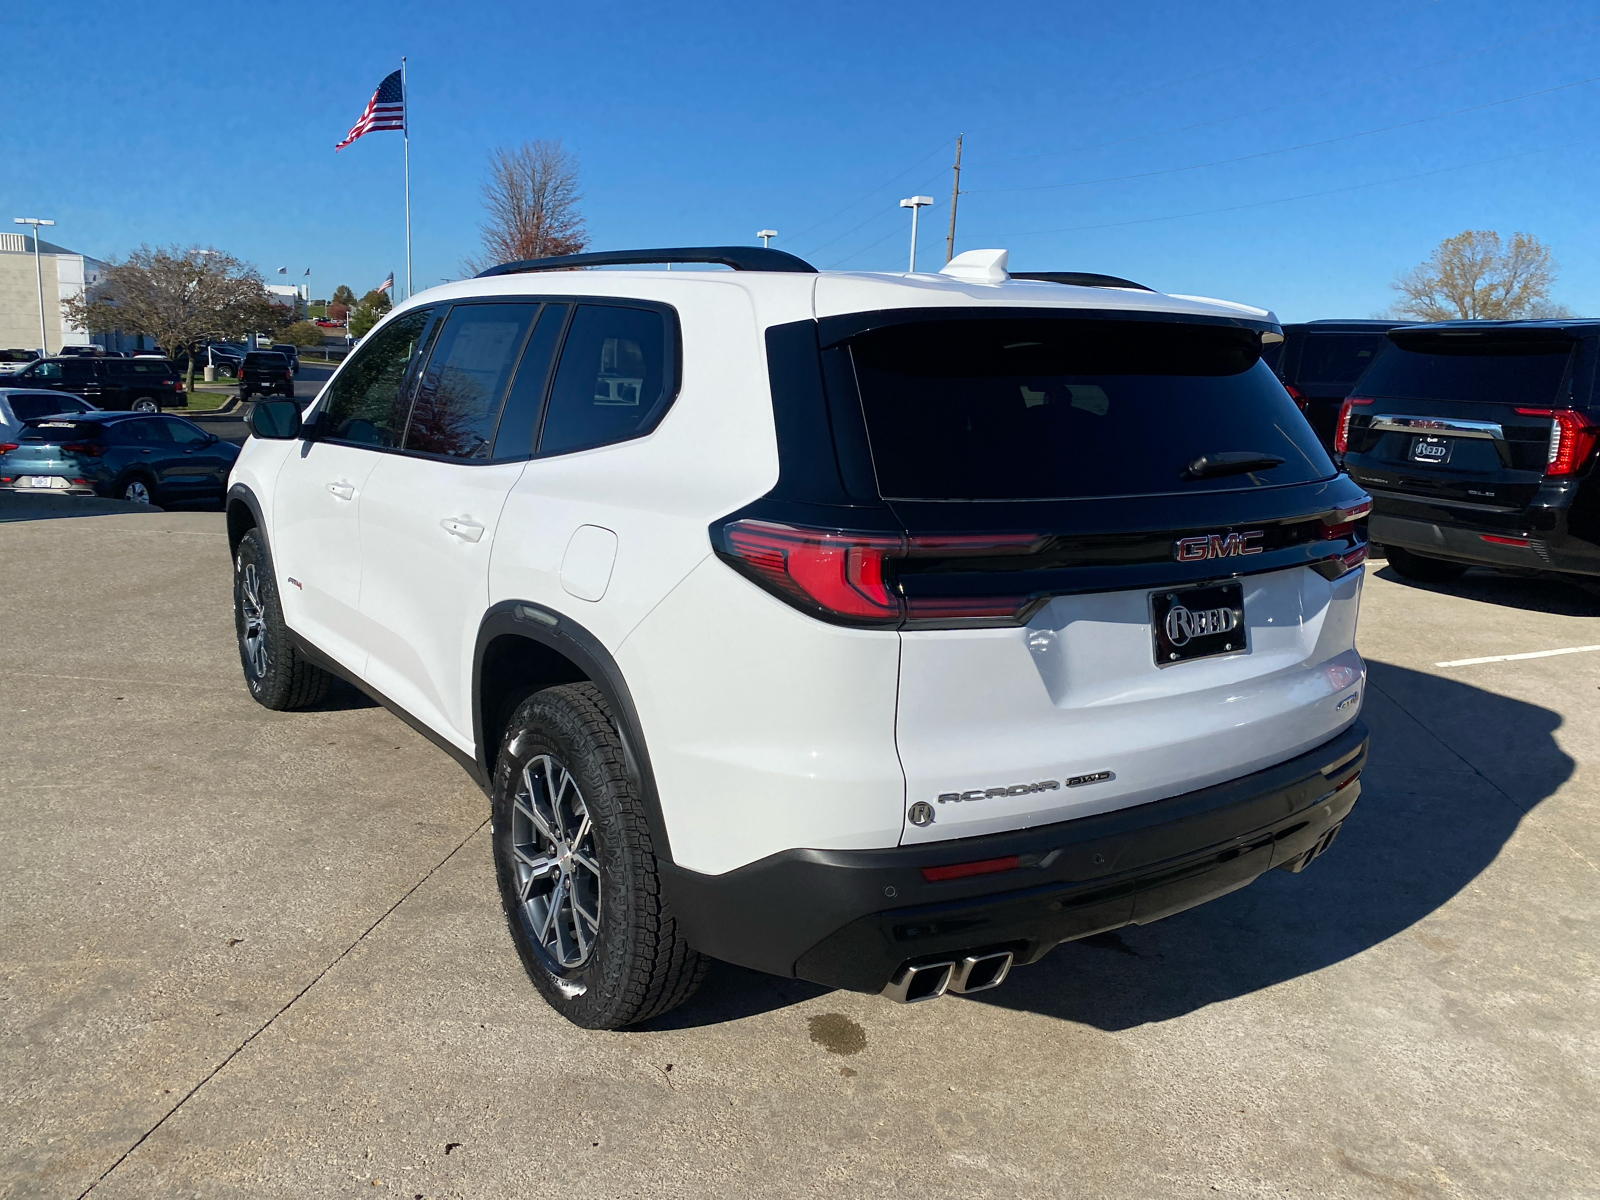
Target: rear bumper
[1549,543]
[852,918]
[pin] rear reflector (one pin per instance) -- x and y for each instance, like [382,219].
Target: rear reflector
[987,866]
[1504,541]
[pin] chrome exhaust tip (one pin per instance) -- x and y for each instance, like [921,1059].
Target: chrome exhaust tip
[980,972]
[924,981]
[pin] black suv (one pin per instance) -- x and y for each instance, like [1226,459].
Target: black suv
[140,384]
[1476,441]
[1320,361]
[265,372]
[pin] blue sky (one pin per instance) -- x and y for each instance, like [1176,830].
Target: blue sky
[698,123]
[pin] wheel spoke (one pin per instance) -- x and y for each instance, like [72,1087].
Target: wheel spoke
[587,863]
[538,867]
[553,912]
[532,810]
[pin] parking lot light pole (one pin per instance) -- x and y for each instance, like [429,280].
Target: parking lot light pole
[916,204]
[766,236]
[38,272]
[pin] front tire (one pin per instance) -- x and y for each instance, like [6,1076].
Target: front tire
[577,869]
[1420,568]
[276,673]
[146,404]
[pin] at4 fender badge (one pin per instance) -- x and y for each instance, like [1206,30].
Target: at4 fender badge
[1022,789]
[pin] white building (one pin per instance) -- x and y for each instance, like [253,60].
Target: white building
[65,273]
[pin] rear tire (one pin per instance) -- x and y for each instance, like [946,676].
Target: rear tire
[1421,569]
[570,835]
[278,676]
[146,404]
[136,491]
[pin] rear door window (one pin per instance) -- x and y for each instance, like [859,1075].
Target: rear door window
[463,387]
[1528,371]
[1022,409]
[1337,360]
[44,404]
[520,420]
[368,400]
[615,379]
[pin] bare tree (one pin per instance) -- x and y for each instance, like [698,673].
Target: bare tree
[532,198]
[181,298]
[1473,276]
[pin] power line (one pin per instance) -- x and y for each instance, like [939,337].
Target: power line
[792,240]
[1041,187]
[1283,199]
[1287,103]
[875,216]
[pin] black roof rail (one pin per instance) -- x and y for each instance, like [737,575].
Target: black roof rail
[740,258]
[1081,279]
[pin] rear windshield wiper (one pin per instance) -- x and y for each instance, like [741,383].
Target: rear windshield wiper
[1230,462]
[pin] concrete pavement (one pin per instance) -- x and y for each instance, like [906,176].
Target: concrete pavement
[259,954]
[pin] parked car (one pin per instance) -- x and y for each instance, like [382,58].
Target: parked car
[15,360]
[19,406]
[265,373]
[290,351]
[1320,361]
[129,456]
[883,632]
[1476,440]
[324,323]
[139,384]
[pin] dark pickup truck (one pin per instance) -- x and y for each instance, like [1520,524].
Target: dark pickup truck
[265,373]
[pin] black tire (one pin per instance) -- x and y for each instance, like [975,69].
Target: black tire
[636,964]
[135,489]
[278,676]
[147,404]
[1408,564]
[244,393]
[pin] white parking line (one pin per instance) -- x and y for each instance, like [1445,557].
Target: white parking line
[1472,662]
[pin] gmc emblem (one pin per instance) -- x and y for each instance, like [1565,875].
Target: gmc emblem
[1216,545]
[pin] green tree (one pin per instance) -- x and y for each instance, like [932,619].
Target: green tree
[369,312]
[1474,276]
[182,298]
[302,334]
[343,295]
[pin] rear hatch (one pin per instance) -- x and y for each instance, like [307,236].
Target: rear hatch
[1129,568]
[1462,420]
[55,446]
[1321,368]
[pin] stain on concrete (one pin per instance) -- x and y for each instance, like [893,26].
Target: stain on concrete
[837,1033]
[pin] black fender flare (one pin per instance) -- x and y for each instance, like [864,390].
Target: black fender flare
[537,623]
[240,492]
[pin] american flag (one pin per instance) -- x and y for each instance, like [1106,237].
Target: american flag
[387,285]
[386,110]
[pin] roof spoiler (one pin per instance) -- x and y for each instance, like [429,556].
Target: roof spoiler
[740,258]
[1081,279]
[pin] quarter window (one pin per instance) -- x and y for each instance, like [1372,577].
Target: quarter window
[614,381]
[368,400]
[458,400]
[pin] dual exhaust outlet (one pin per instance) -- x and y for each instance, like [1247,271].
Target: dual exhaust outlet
[929,981]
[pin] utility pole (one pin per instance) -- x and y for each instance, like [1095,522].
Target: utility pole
[955,194]
[38,274]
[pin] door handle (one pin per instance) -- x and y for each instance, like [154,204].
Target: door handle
[345,491]
[467,531]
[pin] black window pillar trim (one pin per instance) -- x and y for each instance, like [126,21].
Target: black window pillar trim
[536,623]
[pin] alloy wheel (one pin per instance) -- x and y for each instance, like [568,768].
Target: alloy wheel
[137,491]
[558,873]
[255,622]
[145,406]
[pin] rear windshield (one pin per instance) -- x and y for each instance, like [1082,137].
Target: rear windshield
[44,404]
[1016,409]
[1337,359]
[1475,369]
[64,430]
[274,359]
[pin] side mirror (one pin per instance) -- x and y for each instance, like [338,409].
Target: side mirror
[277,419]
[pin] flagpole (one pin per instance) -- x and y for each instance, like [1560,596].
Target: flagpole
[405,99]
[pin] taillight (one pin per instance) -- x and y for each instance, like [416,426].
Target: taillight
[1341,524]
[1572,439]
[1296,395]
[7,447]
[1341,436]
[848,575]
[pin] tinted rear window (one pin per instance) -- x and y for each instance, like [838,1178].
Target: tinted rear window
[1478,369]
[1020,409]
[1337,359]
[266,360]
[29,408]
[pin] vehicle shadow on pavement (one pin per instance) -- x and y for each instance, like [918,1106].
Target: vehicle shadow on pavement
[1531,593]
[1453,770]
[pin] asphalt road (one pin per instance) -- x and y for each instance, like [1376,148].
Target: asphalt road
[230,426]
[256,954]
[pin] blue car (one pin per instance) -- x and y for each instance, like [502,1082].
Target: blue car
[146,458]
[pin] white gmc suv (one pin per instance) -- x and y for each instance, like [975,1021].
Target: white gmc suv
[879,630]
